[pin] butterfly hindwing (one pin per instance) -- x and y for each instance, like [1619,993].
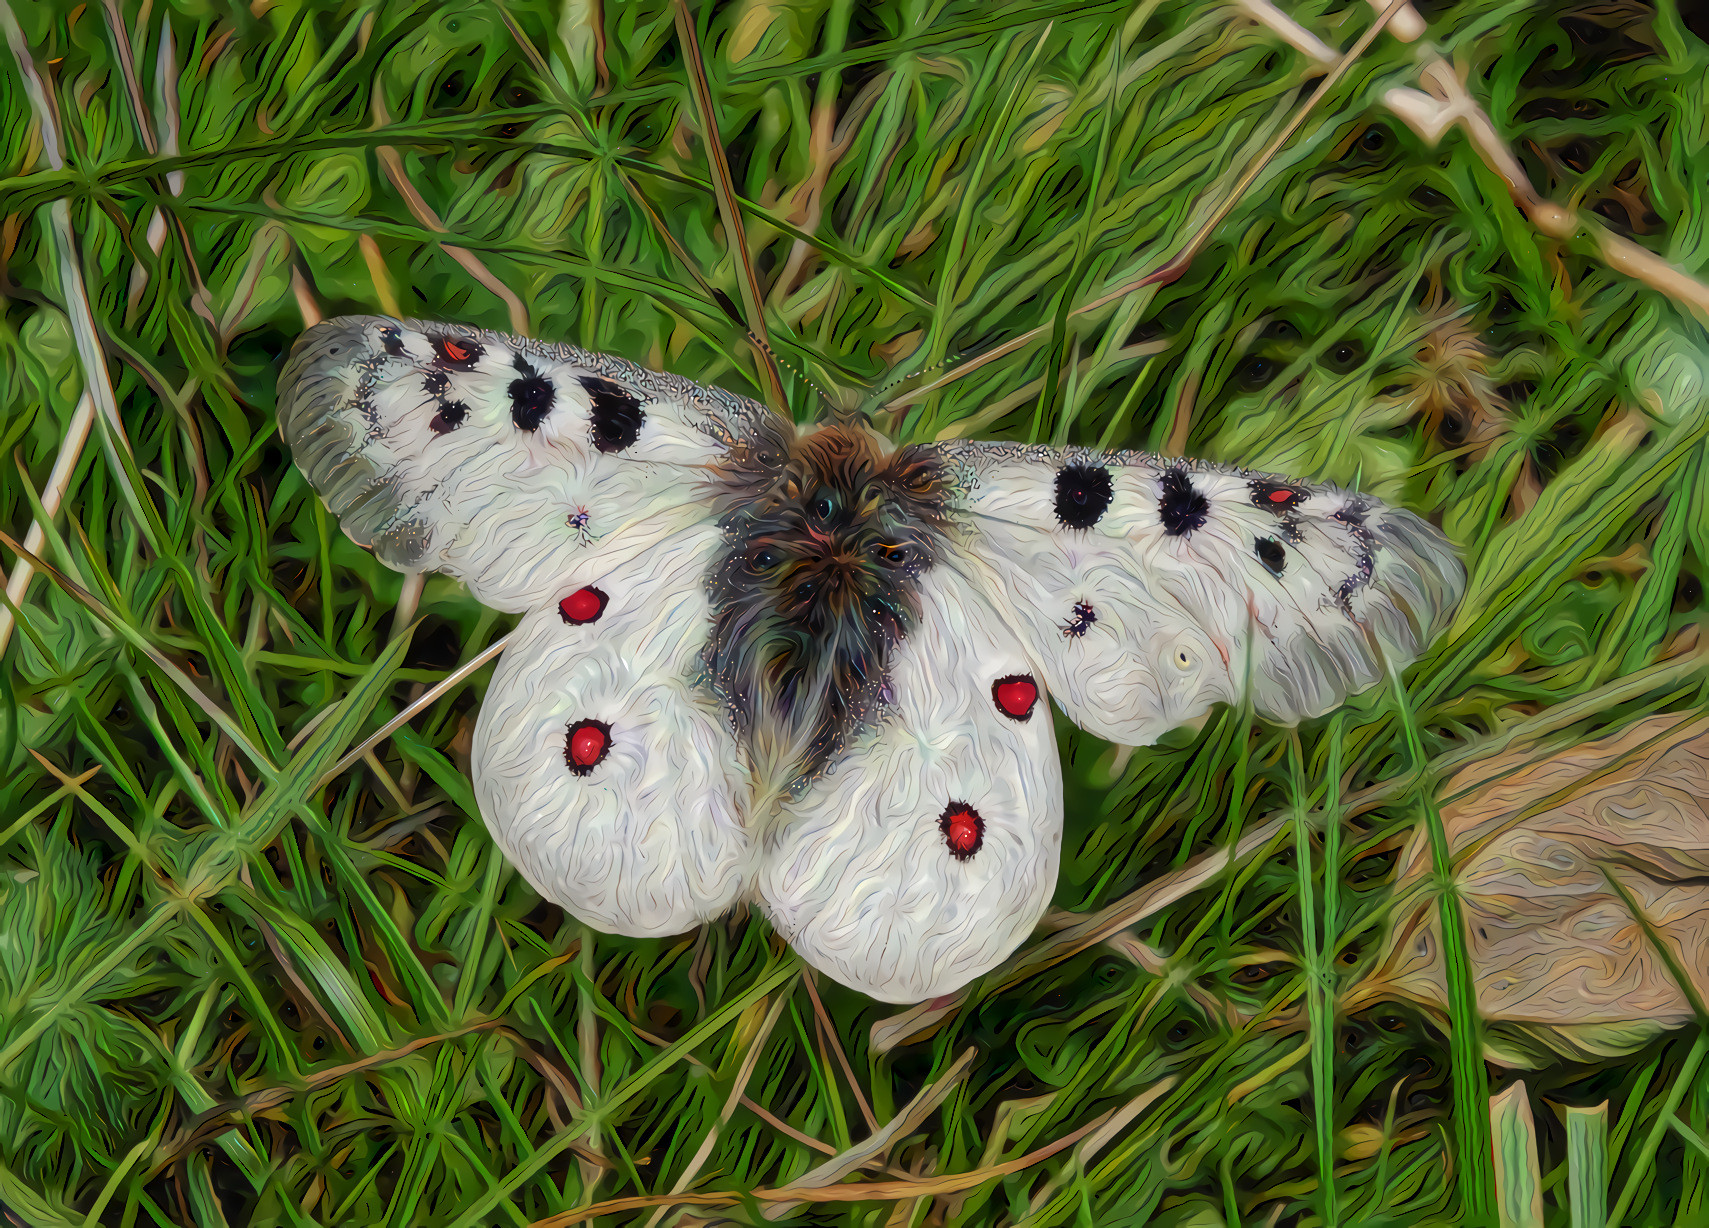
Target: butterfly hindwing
[605,773]
[1152,588]
[930,850]
[501,460]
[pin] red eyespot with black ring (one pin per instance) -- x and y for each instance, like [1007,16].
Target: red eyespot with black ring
[963,828]
[586,744]
[585,605]
[1015,696]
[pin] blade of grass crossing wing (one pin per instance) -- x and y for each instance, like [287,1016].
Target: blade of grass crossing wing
[427,697]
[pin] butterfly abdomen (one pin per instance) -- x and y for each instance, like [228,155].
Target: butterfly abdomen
[818,584]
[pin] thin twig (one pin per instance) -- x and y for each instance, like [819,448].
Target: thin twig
[1100,1138]
[764,1114]
[427,697]
[877,1145]
[860,1191]
[58,482]
[837,1048]
[166,85]
[1445,103]
[728,208]
[423,213]
[750,1060]
[97,382]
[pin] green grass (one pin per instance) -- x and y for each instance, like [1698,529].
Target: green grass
[238,986]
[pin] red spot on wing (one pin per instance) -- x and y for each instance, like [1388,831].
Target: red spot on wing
[963,829]
[452,352]
[582,606]
[586,745]
[1015,696]
[1277,497]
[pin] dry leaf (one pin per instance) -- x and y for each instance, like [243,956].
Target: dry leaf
[1560,963]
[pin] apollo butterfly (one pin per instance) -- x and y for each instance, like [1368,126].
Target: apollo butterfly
[801,666]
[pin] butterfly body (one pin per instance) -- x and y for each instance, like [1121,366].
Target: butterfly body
[804,667]
[816,588]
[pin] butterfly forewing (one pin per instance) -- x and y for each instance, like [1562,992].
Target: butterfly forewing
[605,773]
[498,459]
[930,850]
[1151,589]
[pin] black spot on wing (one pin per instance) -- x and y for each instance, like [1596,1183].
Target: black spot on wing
[617,414]
[436,382]
[1181,507]
[1271,554]
[393,341]
[450,416]
[531,396]
[1083,494]
[1080,620]
[1352,514]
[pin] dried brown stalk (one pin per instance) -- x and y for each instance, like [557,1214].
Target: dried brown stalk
[1444,103]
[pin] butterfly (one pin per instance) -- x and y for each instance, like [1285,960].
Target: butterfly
[800,666]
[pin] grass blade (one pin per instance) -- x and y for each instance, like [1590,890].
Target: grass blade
[1518,1182]
[1587,1165]
[1471,1080]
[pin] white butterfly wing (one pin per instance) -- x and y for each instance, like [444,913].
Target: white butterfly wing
[603,771]
[1150,589]
[501,460]
[930,850]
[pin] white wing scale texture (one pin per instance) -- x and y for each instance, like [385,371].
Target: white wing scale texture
[648,840]
[1136,591]
[411,434]
[1304,590]
[863,877]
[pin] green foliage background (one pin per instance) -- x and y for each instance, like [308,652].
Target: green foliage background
[231,992]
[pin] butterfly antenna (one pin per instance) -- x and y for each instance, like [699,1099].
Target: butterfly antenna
[837,411]
[939,365]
